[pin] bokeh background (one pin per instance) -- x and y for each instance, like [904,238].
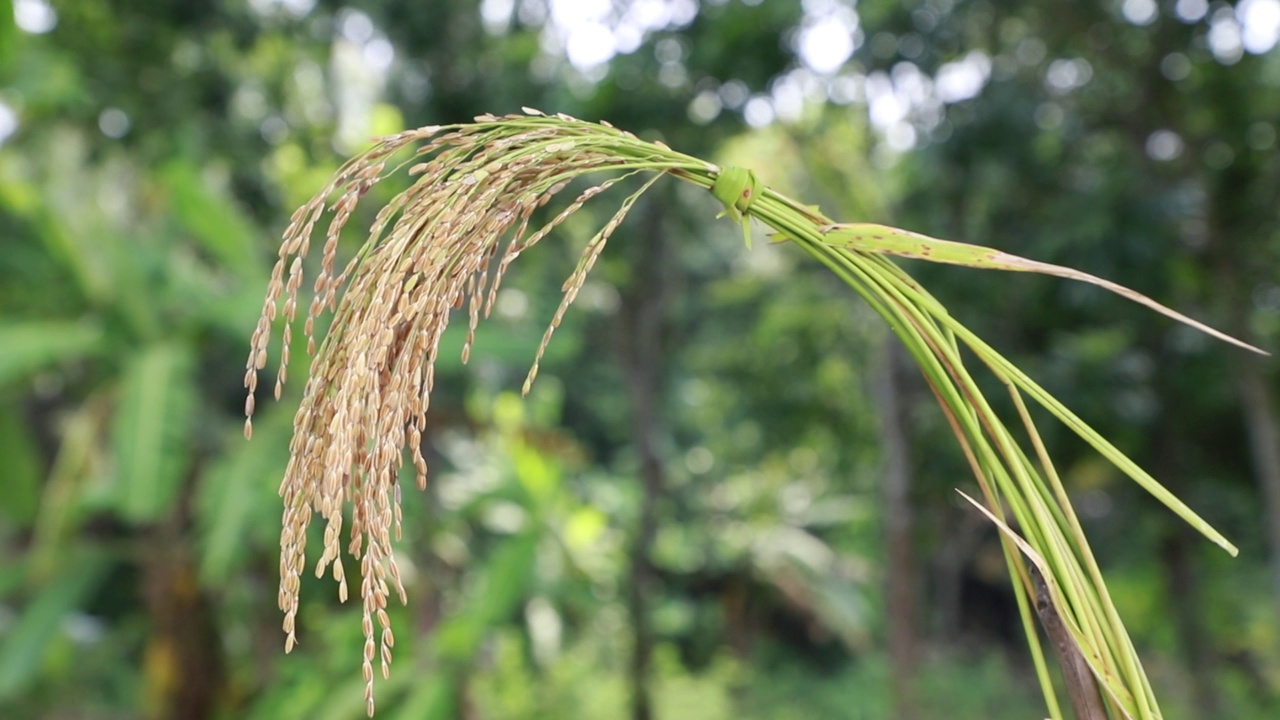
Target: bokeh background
[726,497]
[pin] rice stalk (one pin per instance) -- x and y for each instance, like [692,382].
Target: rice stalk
[446,242]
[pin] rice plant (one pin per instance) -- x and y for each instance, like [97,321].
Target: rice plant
[446,243]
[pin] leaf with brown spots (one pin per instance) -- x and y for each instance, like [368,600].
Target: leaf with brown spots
[873,238]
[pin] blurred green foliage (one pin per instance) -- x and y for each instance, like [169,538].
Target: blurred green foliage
[156,148]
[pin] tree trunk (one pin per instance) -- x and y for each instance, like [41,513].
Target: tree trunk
[642,322]
[1198,653]
[1186,603]
[1264,447]
[900,580]
[184,667]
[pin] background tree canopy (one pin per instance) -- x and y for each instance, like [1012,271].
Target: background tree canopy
[725,496]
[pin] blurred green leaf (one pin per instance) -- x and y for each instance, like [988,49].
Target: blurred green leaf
[137,263]
[300,689]
[8,32]
[346,700]
[584,528]
[537,471]
[26,346]
[214,220]
[23,646]
[20,474]
[64,498]
[432,698]
[513,344]
[500,585]
[238,489]
[231,312]
[63,219]
[13,576]
[152,426]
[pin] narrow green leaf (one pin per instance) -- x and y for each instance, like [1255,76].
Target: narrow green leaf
[152,428]
[22,647]
[1109,682]
[20,472]
[27,346]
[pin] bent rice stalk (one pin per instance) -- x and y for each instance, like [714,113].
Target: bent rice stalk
[432,249]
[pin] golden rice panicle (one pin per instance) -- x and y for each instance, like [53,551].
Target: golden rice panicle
[429,251]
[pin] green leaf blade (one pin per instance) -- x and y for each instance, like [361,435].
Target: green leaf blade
[27,346]
[153,425]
